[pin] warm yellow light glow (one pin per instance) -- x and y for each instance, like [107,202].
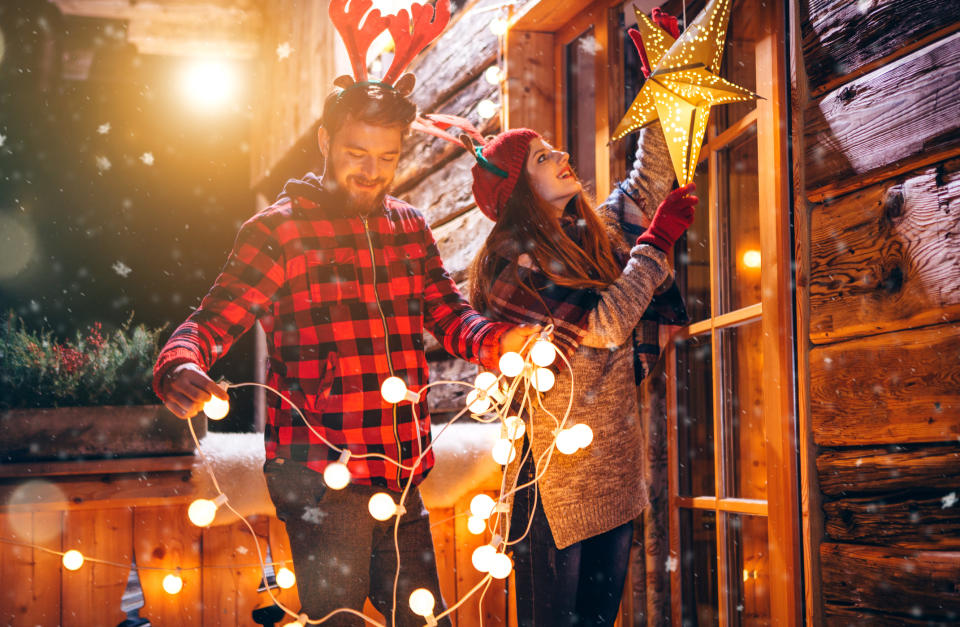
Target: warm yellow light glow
[422,602]
[499,26]
[381,506]
[486,109]
[492,74]
[336,476]
[481,506]
[72,559]
[583,435]
[209,84]
[483,557]
[503,452]
[216,408]
[478,402]
[486,381]
[511,364]
[393,389]
[751,259]
[285,578]
[567,442]
[543,379]
[475,525]
[543,353]
[500,566]
[172,584]
[515,427]
[202,512]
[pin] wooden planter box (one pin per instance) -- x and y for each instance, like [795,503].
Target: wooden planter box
[70,433]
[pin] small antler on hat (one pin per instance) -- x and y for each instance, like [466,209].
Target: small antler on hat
[437,123]
[357,39]
[427,26]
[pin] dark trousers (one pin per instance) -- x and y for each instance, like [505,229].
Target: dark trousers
[342,555]
[579,585]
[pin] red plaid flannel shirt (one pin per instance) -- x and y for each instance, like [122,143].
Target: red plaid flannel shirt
[332,293]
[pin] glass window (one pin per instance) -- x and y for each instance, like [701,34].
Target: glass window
[749,575]
[744,430]
[739,203]
[581,122]
[695,416]
[698,562]
[692,257]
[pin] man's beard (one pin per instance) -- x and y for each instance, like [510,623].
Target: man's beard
[346,202]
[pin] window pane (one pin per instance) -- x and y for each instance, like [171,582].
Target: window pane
[739,223]
[744,431]
[739,63]
[581,105]
[698,567]
[695,417]
[749,584]
[693,253]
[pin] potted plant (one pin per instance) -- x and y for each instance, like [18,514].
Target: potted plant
[89,397]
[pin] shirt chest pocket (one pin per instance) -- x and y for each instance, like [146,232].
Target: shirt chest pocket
[405,265]
[332,275]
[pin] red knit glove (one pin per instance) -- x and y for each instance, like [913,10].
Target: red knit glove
[672,218]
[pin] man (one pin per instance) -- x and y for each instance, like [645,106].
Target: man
[343,279]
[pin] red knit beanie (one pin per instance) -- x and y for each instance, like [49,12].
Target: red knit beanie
[493,181]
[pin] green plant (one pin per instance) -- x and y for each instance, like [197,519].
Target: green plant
[37,370]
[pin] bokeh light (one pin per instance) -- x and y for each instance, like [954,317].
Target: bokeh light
[209,84]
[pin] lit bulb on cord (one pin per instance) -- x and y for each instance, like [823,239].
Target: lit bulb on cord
[492,74]
[285,578]
[72,559]
[511,364]
[337,475]
[482,506]
[567,442]
[216,408]
[486,109]
[499,26]
[486,381]
[422,602]
[543,353]
[515,427]
[583,435]
[500,566]
[478,402]
[381,506]
[483,557]
[751,259]
[202,511]
[301,620]
[172,584]
[394,390]
[476,525]
[543,379]
[503,451]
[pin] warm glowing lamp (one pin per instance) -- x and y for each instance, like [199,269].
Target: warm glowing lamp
[751,259]
[202,511]
[486,108]
[476,525]
[285,578]
[337,475]
[216,408]
[483,558]
[500,566]
[511,364]
[583,435]
[172,584]
[543,353]
[515,427]
[208,84]
[381,506]
[482,506]
[567,442]
[499,26]
[422,602]
[543,379]
[72,559]
[503,451]
[492,74]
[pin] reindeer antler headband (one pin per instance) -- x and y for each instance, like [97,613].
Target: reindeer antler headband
[409,39]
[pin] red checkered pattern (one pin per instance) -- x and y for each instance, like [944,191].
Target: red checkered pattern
[308,276]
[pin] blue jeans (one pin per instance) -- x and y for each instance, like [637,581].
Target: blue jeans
[579,585]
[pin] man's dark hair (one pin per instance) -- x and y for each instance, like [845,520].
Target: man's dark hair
[372,103]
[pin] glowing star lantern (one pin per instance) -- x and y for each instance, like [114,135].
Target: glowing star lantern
[543,379]
[503,452]
[500,566]
[483,558]
[583,435]
[172,584]
[422,602]
[285,578]
[72,559]
[482,506]
[476,525]
[543,353]
[511,364]
[336,475]
[202,511]
[567,442]
[515,427]
[381,506]
[216,408]
[683,84]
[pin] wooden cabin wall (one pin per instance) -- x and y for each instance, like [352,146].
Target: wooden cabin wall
[877,219]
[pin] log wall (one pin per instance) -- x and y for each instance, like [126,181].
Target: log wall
[878,276]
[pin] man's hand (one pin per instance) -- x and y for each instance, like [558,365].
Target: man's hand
[187,388]
[514,339]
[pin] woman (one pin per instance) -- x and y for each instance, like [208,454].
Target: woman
[552,259]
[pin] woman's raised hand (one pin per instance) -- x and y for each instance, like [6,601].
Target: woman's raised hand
[673,217]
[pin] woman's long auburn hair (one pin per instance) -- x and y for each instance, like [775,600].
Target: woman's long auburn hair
[527,224]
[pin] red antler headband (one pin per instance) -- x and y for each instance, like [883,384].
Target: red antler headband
[409,39]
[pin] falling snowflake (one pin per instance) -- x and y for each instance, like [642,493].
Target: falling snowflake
[103,164]
[147,158]
[672,563]
[312,515]
[949,500]
[3,138]
[242,550]
[121,268]
[284,50]
[104,128]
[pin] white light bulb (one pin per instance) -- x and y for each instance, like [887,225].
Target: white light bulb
[543,353]
[336,476]
[583,434]
[202,512]
[301,620]
[543,379]
[492,75]
[422,602]
[567,442]
[172,584]
[500,566]
[285,578]
[476,525]
[486,109]
[486,381]
[482,558]
[72,559]
[216,408]
[478,402]
[515,427]
[393,390]
[482,506]
[381,506]
[511,364]
[503,452]
[499,26]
